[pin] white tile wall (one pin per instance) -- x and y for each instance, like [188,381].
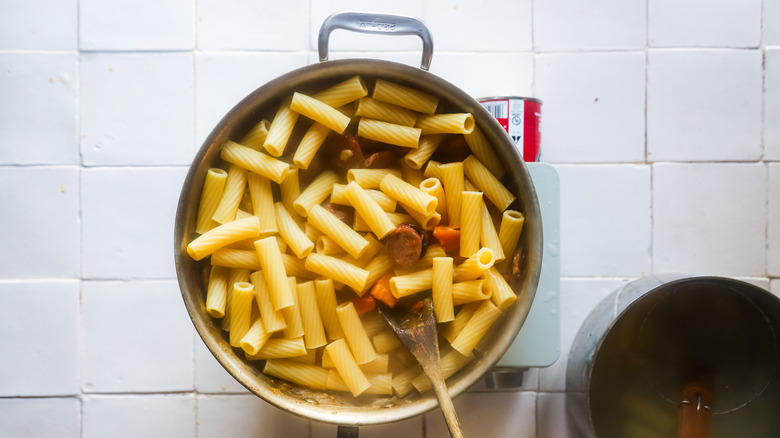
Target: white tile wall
[154,352]
[129,416]
[39,24]
[136,25]
[21,417]
[704,105]
[593,106]
[39,90]
[710,218]
[660,116]
[704,23]
[566,25]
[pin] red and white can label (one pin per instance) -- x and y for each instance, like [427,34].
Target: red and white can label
[521,118]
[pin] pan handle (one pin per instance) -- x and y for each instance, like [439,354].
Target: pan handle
[347,432]
[376,23]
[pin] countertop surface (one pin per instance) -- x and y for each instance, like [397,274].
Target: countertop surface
[661,117]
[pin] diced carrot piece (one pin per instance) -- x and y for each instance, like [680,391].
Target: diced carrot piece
[415,307]
[381,291]
[448,237]
[364,304]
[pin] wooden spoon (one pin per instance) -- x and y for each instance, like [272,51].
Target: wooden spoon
[417,331]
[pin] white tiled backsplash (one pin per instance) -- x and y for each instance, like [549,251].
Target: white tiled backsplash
[662,118]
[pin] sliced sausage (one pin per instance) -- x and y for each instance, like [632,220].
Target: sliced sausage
[407,243]
[344,152]
[453,148]
[379,160]
[345,213]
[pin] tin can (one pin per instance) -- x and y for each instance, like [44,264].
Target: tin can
[521,117]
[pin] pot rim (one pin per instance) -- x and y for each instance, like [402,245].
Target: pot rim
[264,99]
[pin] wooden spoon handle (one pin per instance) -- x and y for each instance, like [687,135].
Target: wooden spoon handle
[447,408]
[695,411]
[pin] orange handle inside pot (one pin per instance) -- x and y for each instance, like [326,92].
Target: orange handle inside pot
[695,411]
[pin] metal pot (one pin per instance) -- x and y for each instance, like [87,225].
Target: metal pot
[641,349]
[318,405]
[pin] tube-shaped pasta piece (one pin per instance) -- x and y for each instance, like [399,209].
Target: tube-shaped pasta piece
[314,332]
[280,130]
[499,290]
[255,337]
[370,178]
[453,180]
[359,343]
[256,161]
[236,258]
[213,186]
[441,289]
[406,97]
[292,314]
[481,149]
[450,363]
[216,294]
[311,232]
[326,300]
[411,175]
[376,268]
[380,364]
[347,368]
[359,224]
[488,236]
[454,327]
[337,270]
[509,231]
[381,383]
[343,93]
[402,382]
[327,246]
[273,321]
[316,192]
[289,191]
[235,275]
[279,348]
[309,358]
[233,191]
[333,227]
[373,323]
[473,267]
[274,272]
[468,292]
[404,285]
[374,246]
[470,224]
[408,195]
[386,112]
[296,267]
[427,221]
[310,376]
[385,341]
[240,311]
[432,170]
[369,210]
[385,202]
[309,145]
[389,133]
[487,183]
[451,123]
[428,144]
[479,323]
[256,136]
[262,202]
[433,187]
[321,113]
[291,232]
[223,235]
[426,261]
